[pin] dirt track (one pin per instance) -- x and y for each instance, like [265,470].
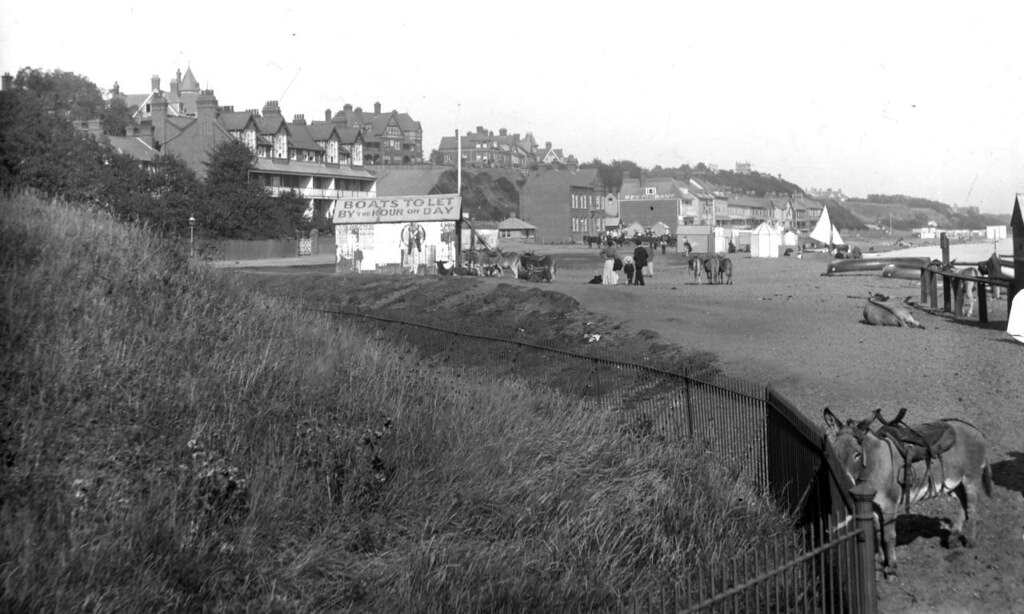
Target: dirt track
[784,324]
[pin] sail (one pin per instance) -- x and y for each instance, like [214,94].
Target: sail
[825,231]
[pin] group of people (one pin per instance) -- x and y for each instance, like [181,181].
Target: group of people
[632,265]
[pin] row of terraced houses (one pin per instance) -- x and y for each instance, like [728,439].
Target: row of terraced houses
[344,154]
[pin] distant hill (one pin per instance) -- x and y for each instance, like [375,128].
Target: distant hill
[750,184]
[909,212]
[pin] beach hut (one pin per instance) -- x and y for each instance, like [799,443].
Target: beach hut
[790,239]
[765,241]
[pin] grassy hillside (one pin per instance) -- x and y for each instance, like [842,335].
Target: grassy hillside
[491,194]
[173,440]
[909,212]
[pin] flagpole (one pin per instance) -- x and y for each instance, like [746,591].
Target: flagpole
[458,187]
[458,149]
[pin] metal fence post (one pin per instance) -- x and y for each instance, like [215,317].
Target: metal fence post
[864,516]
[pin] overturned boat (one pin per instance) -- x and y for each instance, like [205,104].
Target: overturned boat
[869,265]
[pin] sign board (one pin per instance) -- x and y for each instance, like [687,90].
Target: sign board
[369,210]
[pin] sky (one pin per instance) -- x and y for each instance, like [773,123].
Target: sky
[924,99]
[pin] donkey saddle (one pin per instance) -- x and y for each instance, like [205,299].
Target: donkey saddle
[916,443]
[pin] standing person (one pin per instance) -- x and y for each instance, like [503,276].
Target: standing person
[629,268]
[357,260]
[687,246]
[640,261]
[663,244]
[608,276]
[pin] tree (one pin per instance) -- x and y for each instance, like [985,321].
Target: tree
[236,208]
[229,164]
[62,93]
[116,117]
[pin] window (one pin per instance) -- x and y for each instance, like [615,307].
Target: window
[650,191]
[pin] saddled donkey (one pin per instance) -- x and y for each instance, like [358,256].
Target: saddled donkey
[497,262]
[535,267]
[711,269]
[724,270]
[906,464]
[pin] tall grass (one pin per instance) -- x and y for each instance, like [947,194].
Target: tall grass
[175,441]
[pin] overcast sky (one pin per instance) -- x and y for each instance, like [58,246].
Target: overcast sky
[924,99]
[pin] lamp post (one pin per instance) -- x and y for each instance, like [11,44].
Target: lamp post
[191,236]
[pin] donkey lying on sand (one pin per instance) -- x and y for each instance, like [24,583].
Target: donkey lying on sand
[908,464]
[885,313]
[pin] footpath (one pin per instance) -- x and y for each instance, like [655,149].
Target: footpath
[291,261]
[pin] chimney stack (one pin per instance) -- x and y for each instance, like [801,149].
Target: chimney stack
[154,83]
[327,114]
[300,118]
[8,81]
[206,117]
[376,108]
[158,117]
[271,108]
[503,131]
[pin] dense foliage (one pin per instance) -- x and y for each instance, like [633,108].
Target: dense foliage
[40,150]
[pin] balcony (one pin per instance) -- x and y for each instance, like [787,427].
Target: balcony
[320,193]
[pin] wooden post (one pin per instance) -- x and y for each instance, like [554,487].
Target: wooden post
[1017,227]
[944,245]
[924,285]
[933,289]
[458,242]
[947,284]
[982,302]
[864,516]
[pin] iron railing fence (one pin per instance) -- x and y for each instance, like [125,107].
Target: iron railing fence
[761,437]
[815,573]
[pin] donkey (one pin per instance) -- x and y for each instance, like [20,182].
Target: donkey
[711,269]
[901,474]
[696,264]
[725,270]
[968,288]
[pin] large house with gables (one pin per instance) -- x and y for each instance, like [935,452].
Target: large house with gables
[484,149]
[657,200]
[320,161]
[390,138]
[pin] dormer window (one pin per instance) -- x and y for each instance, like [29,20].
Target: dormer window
[650,192]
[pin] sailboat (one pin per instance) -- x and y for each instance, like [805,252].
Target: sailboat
[826,232]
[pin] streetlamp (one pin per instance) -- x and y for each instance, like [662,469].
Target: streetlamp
[191,236]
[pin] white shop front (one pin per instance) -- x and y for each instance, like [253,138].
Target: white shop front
[396,233]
